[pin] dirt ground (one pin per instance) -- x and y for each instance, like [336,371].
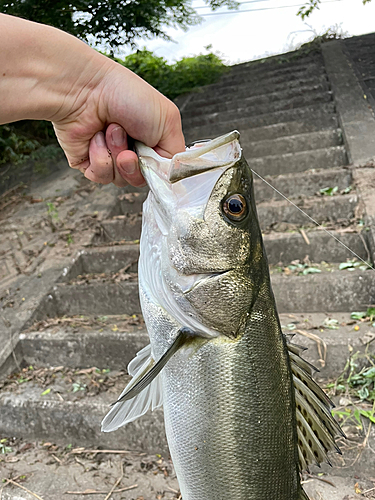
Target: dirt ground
[32,470]
[46,471]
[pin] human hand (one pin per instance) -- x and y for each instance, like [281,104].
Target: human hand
[132,108]
[93,102]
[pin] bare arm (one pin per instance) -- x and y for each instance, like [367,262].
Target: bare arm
[93,102]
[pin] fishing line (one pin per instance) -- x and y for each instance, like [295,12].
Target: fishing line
[313,220]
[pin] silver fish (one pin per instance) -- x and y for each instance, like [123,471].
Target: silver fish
[243,415]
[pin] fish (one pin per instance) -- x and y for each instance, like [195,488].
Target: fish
[243,414]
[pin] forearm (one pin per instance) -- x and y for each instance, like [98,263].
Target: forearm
[38,77]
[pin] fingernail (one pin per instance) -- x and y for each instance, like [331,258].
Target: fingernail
[128,168]
[118,136]
[99,140]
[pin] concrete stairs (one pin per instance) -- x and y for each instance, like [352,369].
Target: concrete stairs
[90,317]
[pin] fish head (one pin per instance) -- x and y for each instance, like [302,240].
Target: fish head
[201,216]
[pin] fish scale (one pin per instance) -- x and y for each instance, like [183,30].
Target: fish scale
[228,439]
[243,415]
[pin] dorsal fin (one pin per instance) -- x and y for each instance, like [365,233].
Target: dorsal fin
[302,495]
[316,427]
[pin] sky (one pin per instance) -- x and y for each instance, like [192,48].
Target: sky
[244,36]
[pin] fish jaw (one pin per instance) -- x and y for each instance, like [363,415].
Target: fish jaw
[177,209]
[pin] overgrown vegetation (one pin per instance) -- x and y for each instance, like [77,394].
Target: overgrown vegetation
[15,147]
[113,22]
[357,381]
[177,78]
[313,5]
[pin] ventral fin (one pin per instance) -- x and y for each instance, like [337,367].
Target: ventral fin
[316,427]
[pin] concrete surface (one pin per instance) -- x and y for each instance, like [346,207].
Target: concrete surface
[356,119]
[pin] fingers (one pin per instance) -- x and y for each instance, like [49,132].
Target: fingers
[117,141]
[100,168]
[126,167]
[172,140]
[111,161]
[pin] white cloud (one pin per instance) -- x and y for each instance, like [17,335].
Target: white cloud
[249,35]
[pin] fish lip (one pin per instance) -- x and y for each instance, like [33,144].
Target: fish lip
[208,276]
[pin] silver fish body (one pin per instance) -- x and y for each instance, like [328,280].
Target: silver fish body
[231,419]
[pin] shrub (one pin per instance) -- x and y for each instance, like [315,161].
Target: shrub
[178,78]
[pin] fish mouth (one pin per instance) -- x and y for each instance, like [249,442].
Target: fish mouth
[199,278]
[200,157]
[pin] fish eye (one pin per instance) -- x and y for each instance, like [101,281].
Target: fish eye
[235,207]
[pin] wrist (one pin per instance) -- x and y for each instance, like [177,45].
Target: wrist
[39,77]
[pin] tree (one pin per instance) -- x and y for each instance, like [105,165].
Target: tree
[309,7]
[112,22]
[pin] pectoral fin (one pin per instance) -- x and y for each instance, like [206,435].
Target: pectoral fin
[145,390]
[153,369]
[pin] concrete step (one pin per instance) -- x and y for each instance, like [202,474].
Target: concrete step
[330,291]
[299,161]
[319,116]
[201,96]
[24,412]
[106,259]
[283,248]
[258,67]
[271,132]
[65,417]
[31,416]
[72,345]
[332,208]
[121,228]
[254,112]
[271,101]
[291,144]
[277,75]
[305,184]
[102,297]
[253,95]
[127,228]
[104,342]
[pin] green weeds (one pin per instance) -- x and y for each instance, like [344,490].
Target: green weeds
[357,381]
[4,448]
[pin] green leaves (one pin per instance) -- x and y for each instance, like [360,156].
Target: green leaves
[77,386]
[328,191]
[178,78]
[358,315]
[311,270]
[331,324]
[350,265]
[3,446]
[303,268]
[369,314]
[113,22]
[308,8]
[356,379]
[15,147]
